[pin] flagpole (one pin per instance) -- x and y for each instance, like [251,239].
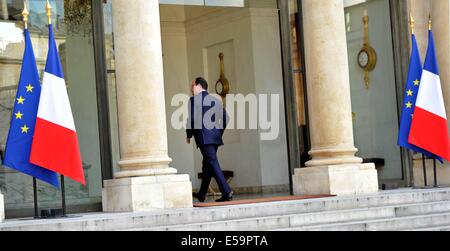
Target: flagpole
[35,196]
[424,171]
[411,23]
[424,165]
[430,23]
[25,14]
[48,10]
[63,196]
[435,174]
[430,26]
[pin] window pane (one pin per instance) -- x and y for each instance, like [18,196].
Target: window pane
[73,33]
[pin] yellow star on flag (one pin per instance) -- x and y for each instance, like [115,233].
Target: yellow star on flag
[29,88]
[25,129]
[19,115]
[409,105]
[410,93]
[416,83]
[20,100]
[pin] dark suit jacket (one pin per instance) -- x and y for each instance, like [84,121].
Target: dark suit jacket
[206,106]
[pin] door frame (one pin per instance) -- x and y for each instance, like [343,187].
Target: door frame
[400,38]
[102,90]
[290,96]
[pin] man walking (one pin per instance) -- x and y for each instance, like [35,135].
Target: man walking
[207,123]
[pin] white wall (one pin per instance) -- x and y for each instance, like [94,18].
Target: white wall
[268,79]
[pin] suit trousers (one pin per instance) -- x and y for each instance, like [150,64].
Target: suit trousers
[211,169]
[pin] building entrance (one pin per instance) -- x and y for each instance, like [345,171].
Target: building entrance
[247,36]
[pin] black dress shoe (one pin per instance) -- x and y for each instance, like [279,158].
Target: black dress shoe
[226,198]
[199,197]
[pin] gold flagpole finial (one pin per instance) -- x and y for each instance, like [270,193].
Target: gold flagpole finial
[411,23]
[48,10]
[25,14]
[430,22]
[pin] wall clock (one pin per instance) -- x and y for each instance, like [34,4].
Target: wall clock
[367,56]
[222,85]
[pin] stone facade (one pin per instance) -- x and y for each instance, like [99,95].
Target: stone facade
[147,182]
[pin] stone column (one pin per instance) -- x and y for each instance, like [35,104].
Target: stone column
[145,181]
[5,13]
[2,208]
[334,168]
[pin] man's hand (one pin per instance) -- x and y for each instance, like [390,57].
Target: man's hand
[188,141]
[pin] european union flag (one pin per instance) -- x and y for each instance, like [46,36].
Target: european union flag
[409,102]
[20,138]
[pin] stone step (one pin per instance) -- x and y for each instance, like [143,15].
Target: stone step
[389,224]
[101,221]
[422,209]
[433,229]
[310,219]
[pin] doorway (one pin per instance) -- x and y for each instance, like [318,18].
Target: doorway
[248,36]
[375,99]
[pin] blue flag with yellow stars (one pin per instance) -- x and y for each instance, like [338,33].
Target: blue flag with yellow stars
[409,102]
[20,138]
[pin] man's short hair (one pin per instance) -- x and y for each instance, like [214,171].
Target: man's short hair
[201,81]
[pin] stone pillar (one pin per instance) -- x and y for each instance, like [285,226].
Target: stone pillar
[2,208]
[334,168]
[145,181]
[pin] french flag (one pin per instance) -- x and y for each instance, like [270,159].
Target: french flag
[55,144]
[429,129]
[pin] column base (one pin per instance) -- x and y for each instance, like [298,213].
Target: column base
[350,179]
[143,194]
[2,209]
[145,172]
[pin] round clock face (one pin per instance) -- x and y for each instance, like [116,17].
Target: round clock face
[222,87]
[363,59]
[219,88]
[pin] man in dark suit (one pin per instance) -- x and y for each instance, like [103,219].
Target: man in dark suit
[207,123]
